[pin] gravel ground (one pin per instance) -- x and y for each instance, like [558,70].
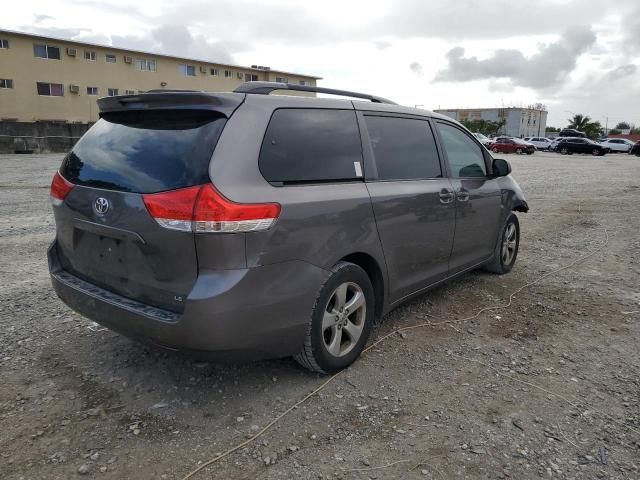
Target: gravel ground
[546,388]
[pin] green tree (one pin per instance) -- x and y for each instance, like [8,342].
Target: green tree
[552,129]
[584,124]
[623,126]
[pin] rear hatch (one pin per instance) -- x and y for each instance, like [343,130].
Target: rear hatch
[105,233]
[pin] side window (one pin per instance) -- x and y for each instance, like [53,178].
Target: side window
[463,154]
[304,145]
[403,148]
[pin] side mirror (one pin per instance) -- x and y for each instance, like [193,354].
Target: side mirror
[501,168]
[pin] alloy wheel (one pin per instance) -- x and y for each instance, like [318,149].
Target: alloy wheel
[344,318]
[509,244]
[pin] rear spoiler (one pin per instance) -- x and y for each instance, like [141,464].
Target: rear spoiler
[225,103]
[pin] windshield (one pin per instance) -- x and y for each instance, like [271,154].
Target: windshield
[145,151]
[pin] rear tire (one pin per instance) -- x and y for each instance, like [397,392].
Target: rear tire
[564,151]
[596,152]
[506,251]
[519,151]
[341,320]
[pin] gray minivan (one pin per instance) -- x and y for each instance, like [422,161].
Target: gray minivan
[246,225]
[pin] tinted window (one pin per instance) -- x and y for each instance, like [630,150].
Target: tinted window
[145,151]
[403,148]
[463,154]
[311,145]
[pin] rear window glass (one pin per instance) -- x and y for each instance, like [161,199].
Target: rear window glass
[145,151]
[404,148]
[311,145]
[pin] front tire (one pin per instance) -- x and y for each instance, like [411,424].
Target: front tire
[596,152]
[506,251]
[494,150]
[564,151]
[519,151]
[341,320]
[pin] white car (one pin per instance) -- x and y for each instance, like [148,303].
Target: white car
[541,143]
[484,140]
[617,144]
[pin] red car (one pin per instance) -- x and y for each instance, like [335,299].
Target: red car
[511,145]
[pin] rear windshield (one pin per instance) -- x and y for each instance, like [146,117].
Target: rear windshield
[145,151]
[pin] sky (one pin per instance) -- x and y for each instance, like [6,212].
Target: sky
[574,56]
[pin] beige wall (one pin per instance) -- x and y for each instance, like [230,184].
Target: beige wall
[23,103]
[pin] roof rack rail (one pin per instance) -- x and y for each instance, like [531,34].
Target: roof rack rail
[265,88]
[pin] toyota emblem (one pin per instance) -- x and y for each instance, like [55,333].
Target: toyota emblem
[101,206]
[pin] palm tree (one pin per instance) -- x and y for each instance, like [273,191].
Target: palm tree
[584,124]
[579,122]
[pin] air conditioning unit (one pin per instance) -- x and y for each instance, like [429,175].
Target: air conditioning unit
[74,88]
[203,69]
[128,59]
[72,52]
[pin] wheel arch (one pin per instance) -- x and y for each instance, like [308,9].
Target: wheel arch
[370,265]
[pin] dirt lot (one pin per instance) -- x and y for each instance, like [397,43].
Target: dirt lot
[549,387]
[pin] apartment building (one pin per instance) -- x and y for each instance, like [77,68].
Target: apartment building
[45,78]
[528,121]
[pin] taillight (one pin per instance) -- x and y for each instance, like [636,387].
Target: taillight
[203,209]
[60,188]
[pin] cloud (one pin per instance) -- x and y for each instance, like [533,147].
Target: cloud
[548,67]
[42,18]
[417,68]
[621,72]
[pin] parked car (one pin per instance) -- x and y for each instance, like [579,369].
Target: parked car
[618,144]
[244,225]
[511,145]
[571,132]
[541,143]
[635,150]
[568,146]
[484,140]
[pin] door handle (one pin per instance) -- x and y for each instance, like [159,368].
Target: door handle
[446,195]
[463,195]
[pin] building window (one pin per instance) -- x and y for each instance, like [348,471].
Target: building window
[250,77]
[50,89]
[46,51]
[112,92]
[282,80]
[214,72]
[187,70]
[4,43]
[303,82]
[228,74]
[92,90]
[145,65]
[6,83]
[129,92]
[239,75]
[89,55]
[110,58]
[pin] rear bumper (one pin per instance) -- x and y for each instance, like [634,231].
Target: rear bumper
[240,314]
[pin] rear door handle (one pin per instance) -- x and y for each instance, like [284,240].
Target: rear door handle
[446,195]
[463,195]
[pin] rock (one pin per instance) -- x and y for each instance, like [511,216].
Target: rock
[94,456]
[293,448]
[239,419]
[424,472]
[84,469]
[366,462]
[103,468]
[155,406]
